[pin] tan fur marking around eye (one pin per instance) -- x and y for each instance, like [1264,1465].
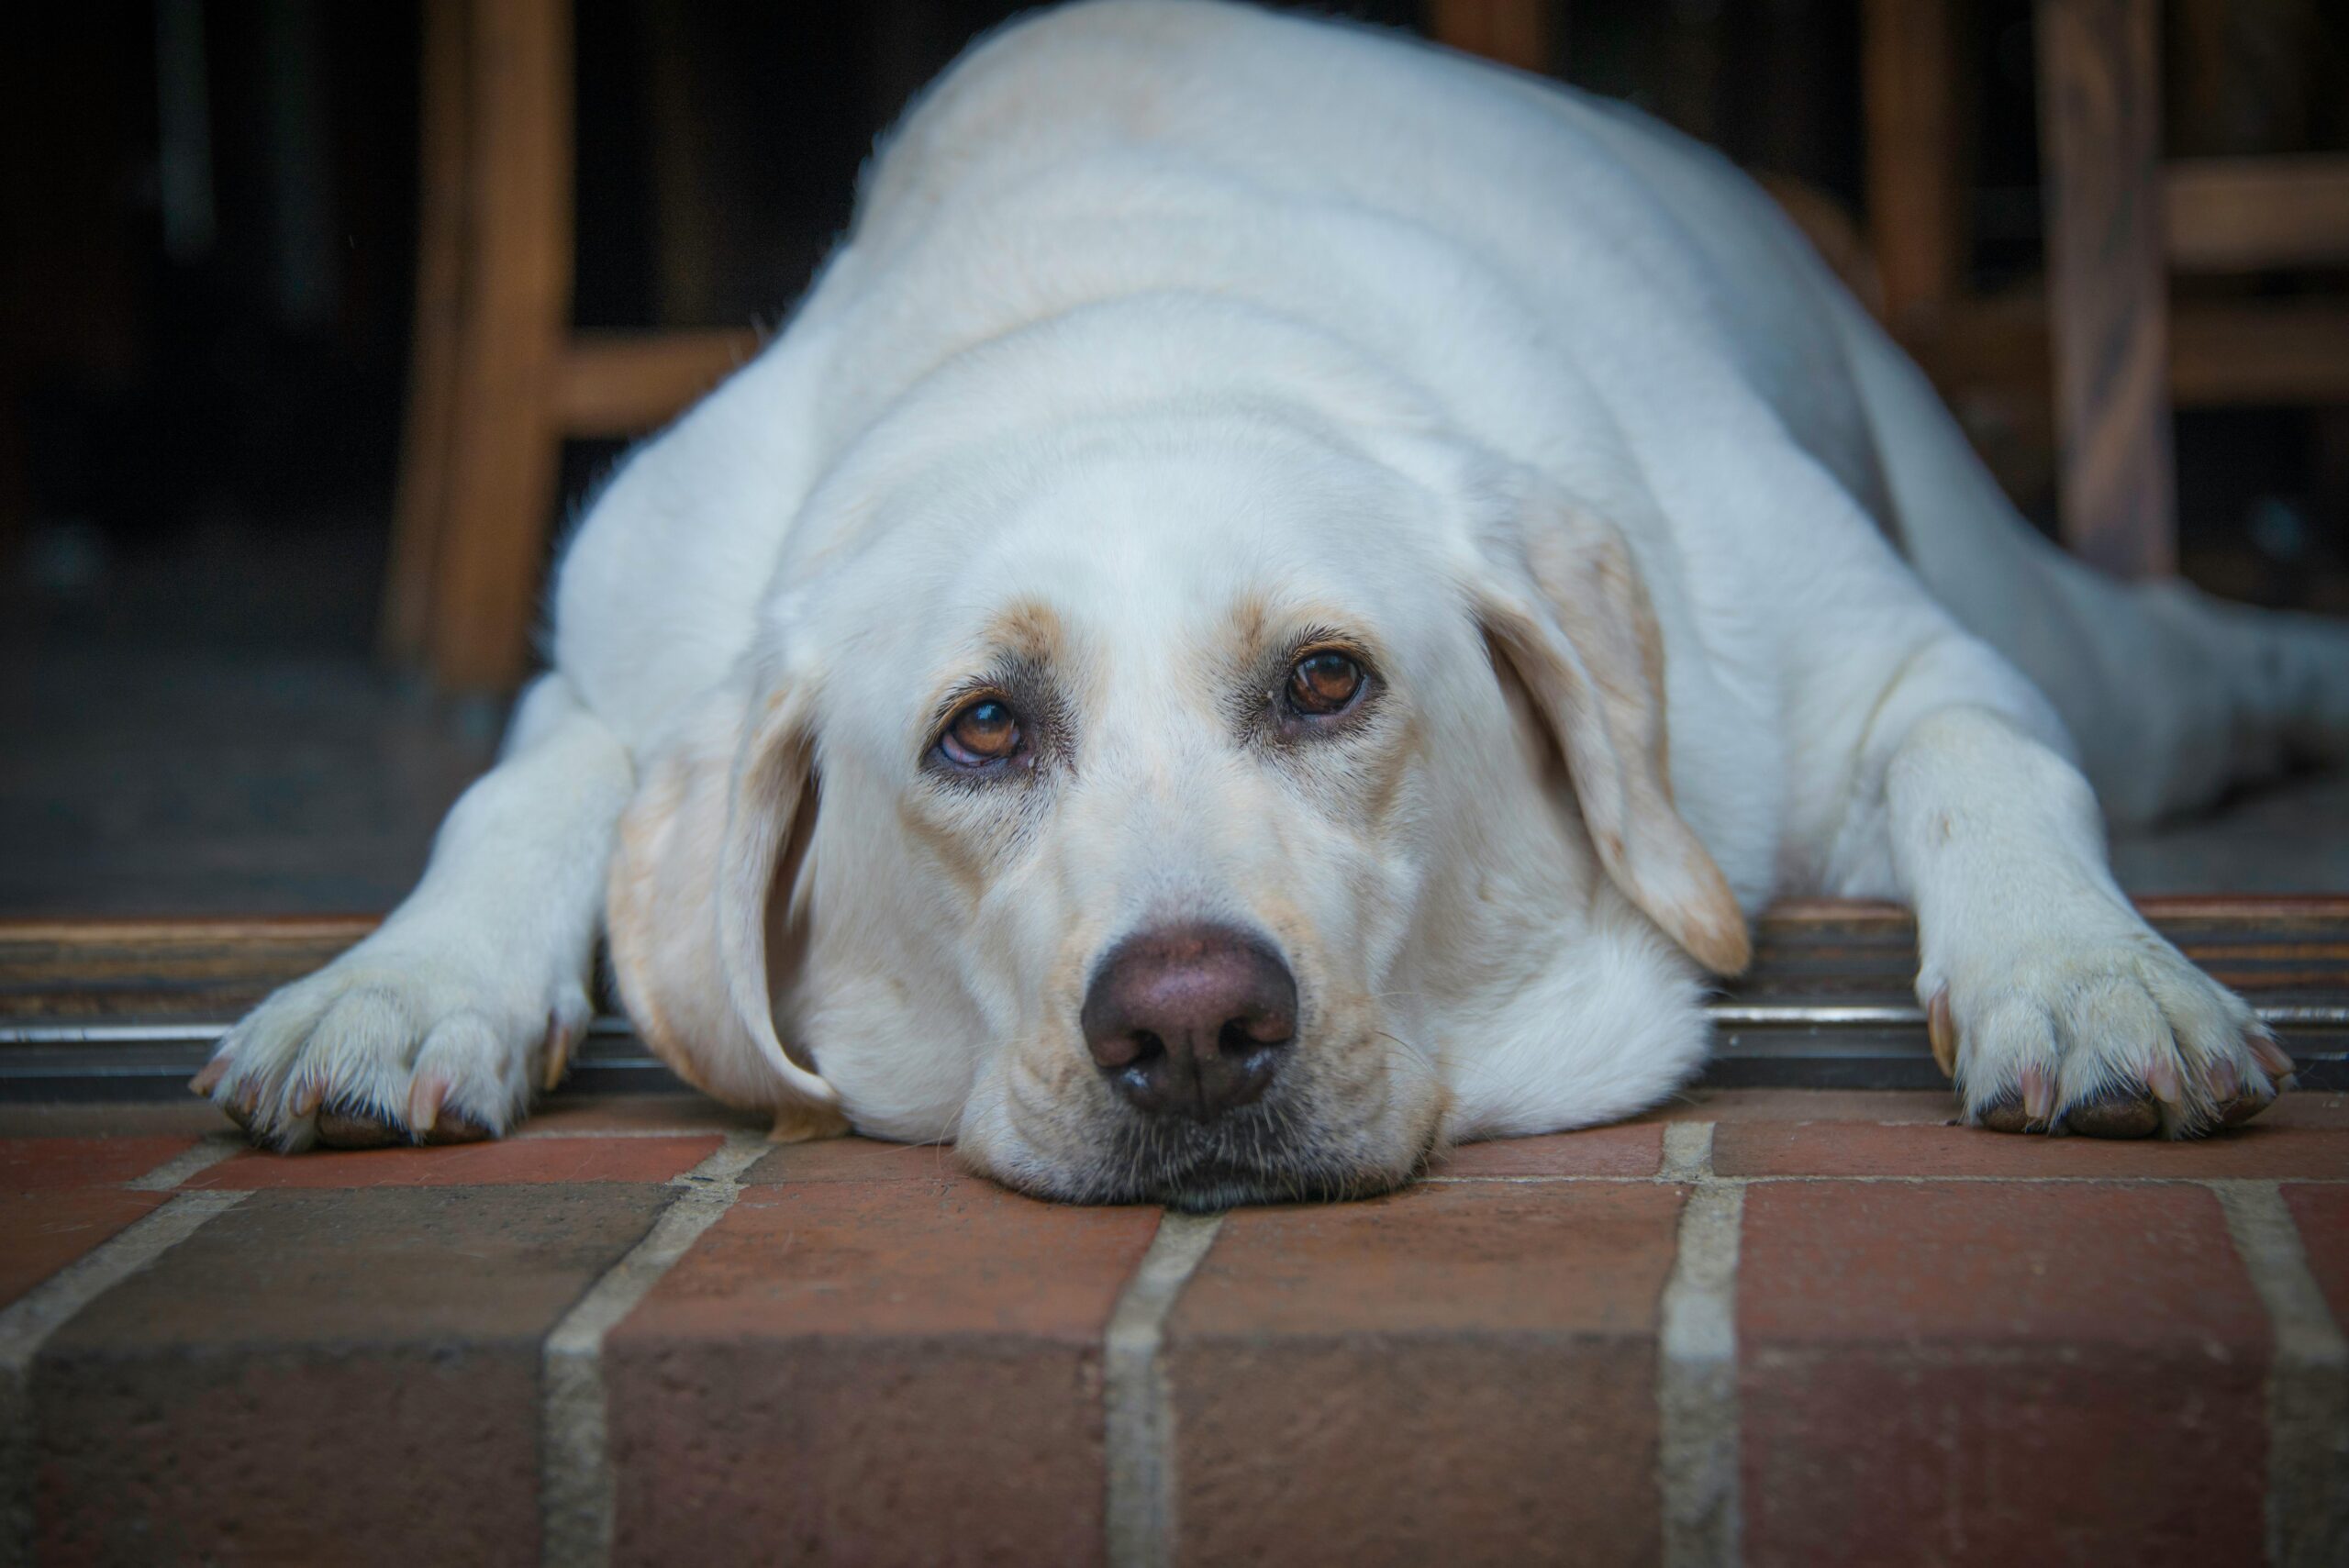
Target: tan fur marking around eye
[1249,617]
[1030,629]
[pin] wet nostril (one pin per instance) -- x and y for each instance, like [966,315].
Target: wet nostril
[1239,1037]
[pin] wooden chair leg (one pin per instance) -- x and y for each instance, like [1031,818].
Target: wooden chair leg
[2099,81]
[1909,79]
[421,509]
[490,548]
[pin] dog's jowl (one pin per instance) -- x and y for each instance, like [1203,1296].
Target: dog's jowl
[1280,605]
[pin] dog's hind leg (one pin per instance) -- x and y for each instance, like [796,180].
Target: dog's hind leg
[440,1024]
[2171,696]
[2285,676]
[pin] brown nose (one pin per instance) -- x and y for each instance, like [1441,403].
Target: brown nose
[1190,1020]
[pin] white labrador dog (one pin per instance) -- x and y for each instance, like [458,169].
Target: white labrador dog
[1161,674]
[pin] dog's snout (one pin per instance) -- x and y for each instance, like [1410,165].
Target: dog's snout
[1190,1020]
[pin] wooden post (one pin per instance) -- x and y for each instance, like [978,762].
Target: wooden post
[490,554]
[1915,154]
[1513,32]
[419,510]
[2099,93]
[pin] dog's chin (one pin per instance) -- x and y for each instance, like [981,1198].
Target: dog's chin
[1211,1190]
[1204,1168]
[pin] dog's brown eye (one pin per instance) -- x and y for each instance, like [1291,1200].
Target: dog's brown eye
[1324,682]
[986,731]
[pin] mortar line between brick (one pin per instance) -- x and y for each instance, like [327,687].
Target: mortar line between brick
[1139,1417]
[1697,1459]
[1687,1151]
[209,1152]
[28,1324]
[2308,1382]
[577,1505]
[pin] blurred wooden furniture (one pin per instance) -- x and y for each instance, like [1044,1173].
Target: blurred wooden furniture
[2099,138]
[499,378]
[1913,143]
[2119,222]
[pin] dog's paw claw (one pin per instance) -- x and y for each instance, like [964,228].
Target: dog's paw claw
[2005,1114]
[1941,1032]
[2038,1095]
[432,1118]
[2270,1052]
[424,1101]
[309,1091]
[2026,1108]
[452,1127]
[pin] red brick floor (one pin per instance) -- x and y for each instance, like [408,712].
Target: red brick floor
[1768,1327]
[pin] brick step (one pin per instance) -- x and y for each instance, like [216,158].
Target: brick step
[1767,1325]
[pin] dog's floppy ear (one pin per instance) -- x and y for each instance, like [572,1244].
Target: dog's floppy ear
[1561,599]
[702,906]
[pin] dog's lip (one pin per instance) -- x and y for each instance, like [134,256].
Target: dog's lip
[1260,1154]
[1212,1192]
[1216,1181]
[1211,1183]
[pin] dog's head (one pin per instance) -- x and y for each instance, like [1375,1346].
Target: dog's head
[1165,811]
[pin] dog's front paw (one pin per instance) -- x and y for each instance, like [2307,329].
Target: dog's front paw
[2096,1025]
[391,1042]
